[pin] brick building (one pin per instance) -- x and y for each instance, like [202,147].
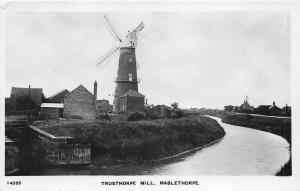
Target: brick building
[102,106]
[268,109]
[132,101]
[79,103]
[161,111]
[274,110]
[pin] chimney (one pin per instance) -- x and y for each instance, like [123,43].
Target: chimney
[273,103]
[29,90]
[95,93]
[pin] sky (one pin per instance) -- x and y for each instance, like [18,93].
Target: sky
[198,59]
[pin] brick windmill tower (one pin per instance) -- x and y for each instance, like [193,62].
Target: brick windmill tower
[126,97]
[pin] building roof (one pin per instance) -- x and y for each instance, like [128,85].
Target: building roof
[287,107]
[266,106]
[64,91]
[102,101]
[79,87]
[273,107]
[132,93]
[52,105]
[162,106]
[36,94]
[246,106]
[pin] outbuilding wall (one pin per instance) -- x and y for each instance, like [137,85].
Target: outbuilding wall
[50,113]
[79,104]
[132,104]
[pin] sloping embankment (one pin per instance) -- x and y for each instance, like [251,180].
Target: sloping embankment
[137,142]
[278,126]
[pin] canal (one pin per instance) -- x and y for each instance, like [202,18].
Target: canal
[243,151]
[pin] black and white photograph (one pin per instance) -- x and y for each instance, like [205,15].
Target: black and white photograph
[156,93]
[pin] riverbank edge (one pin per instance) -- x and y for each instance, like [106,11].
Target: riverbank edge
[286,169]
[183,128]
[172,156]
[188,151]
[224,116]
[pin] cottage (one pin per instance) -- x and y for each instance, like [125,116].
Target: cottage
[286,110]
[59,96]
[80,103]
[268,109]
[52,110]
[161,111]
[274,110]
[132,101]
[262,109]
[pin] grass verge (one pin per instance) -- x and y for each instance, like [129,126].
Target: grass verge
[142,141]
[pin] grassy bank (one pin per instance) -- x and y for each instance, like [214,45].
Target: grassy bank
[137,142]
[278,126]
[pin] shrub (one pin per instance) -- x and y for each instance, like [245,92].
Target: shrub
[178,113]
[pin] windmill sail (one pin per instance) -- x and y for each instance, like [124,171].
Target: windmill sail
[108,54]
[112,29]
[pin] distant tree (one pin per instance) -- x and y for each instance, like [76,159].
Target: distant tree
[176,112]
[174,106]
[228,107]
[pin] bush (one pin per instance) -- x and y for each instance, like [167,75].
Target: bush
[178,113]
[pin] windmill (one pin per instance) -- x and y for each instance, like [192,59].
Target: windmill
[127,69]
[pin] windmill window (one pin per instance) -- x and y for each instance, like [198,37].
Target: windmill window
[130,60]
[130,77]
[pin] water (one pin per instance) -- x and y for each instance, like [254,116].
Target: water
[243,151]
